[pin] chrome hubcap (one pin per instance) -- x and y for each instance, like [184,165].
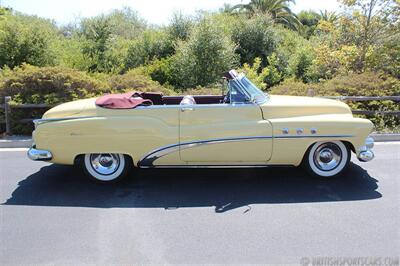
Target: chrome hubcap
[327,156]
[104,163]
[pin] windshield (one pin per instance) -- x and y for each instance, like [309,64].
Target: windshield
[242,90]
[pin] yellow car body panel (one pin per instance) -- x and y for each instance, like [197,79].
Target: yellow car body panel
[278,132]
[243,122]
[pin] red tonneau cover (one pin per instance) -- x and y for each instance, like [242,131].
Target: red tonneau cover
[127,100]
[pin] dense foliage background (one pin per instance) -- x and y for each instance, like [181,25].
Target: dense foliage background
[355,51]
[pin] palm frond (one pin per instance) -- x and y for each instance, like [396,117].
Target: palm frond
[278,9]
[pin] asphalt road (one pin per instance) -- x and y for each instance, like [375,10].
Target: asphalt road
[52,214]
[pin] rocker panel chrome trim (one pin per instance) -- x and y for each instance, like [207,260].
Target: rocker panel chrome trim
[217,166]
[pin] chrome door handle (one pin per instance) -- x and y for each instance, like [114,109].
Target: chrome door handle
[184,109]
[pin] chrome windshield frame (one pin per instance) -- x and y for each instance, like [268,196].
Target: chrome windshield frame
[256,100]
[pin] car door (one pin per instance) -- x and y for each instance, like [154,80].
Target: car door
[224,134]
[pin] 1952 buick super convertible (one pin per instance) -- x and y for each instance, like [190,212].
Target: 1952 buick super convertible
[243,128]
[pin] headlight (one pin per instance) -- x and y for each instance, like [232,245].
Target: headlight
[369,142]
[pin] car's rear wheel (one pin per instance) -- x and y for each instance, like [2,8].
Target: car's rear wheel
[327,159]
[106,167]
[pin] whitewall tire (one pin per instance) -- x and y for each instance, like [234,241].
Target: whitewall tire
[327,159]
[106,167]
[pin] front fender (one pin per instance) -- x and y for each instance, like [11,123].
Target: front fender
[293,136]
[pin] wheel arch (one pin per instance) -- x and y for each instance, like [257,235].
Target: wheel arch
[347,143]
[78,159]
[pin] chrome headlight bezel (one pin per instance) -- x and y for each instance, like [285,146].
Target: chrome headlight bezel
[369,142]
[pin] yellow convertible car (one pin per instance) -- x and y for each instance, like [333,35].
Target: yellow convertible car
[243,128]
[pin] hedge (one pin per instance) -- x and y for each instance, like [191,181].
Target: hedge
[55,85]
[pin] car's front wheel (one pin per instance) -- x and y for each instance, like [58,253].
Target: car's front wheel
[327,159]
[106,167]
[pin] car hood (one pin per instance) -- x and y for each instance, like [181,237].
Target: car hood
[86,107]
[290,106]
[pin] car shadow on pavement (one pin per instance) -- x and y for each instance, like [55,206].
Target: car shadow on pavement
[224,189]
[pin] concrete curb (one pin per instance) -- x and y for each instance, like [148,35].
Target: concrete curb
[385,137]
[26,141]
[16,142]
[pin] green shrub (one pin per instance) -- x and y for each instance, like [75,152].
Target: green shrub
[295,53]
[51,85]
[180,27]
[309,20]
[151,45]
[135,79]
[126,23]
[265,77]
[274,73]
[96,33]
[161,70]
[301,65]
[26,39]
[254,73]
[68,53]
[203,59]
[254,38]
[387,57]
[54,85]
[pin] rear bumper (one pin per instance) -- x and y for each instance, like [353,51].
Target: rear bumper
[39,155]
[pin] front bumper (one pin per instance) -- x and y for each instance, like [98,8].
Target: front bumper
[365,156]
[365,153]
[39,155]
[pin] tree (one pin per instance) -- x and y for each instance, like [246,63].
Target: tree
[228,9]
[180,27]
[3,12]
[331,17]
[151,45]
[126,23]
[374,22]
[302,65]
[96,33]
[254,38]
[106,38]
[206,55]
[309,20]
[278,9]
[26,39]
